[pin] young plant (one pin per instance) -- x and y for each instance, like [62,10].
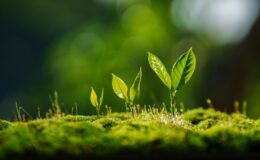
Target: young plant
[94,100]
[181,72]
[121,89]
[55,104]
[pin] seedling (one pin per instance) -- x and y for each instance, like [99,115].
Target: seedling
[236,106]
[121,89]
[181,73]
[109,110]
[209,102]
[244,107]
[94,100]
[22,115]
[56,109]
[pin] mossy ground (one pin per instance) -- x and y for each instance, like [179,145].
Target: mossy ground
[197,132]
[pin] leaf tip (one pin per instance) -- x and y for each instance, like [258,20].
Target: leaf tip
[191,50]
[148,53]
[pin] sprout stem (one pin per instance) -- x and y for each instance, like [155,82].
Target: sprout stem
[172,101]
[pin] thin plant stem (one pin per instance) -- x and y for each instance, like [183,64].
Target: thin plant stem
[97,112]
[131,109]
[172,102]
[22,109]
[126,107]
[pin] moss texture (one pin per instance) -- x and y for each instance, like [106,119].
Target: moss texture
[197,132]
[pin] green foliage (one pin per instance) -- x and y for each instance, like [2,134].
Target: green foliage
[121,89]
[135,88]
[159,68]
[182,71]
[94,100]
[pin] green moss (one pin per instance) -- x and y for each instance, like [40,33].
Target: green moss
[198,130]
[78,118]
[4,124]
[195,116]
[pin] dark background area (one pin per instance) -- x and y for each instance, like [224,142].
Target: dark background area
[70,46]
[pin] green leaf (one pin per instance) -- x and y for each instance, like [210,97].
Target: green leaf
[101,98]
[135,88]
[119,87]
[93,98]
[183,69]
[159,68]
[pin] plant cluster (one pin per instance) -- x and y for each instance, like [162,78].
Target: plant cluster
[181,73]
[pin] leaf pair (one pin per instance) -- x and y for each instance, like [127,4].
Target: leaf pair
[94,99]
[121,89]
[181,72]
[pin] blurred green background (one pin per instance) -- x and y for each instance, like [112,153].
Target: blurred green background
[70,46]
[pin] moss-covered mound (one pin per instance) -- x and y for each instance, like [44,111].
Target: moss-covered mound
[196,133]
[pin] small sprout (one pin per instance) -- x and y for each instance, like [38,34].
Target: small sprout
[94,100]
[38,113]
[244,105]
[21,114]
[18,113]
[55,105]
[209,102]
[121,89]
[109,110]
[236,106]
[181,72]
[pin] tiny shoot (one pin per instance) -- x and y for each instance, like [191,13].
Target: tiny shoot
[181,73]
[94,100]
[122,91]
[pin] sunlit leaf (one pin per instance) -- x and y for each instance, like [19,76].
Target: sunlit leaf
[159,68]
[183,69]
[93,98]
[135,88]
[119,87]
[101,97]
